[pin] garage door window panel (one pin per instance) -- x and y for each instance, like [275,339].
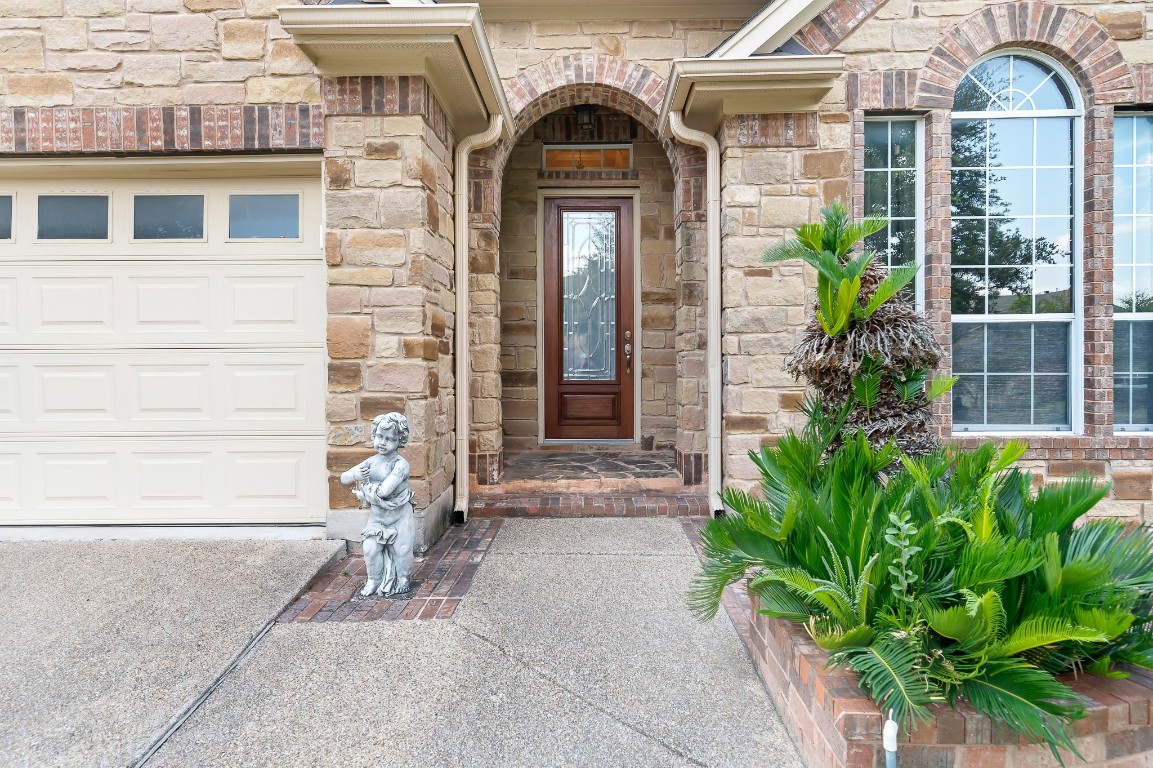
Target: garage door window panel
[73,217]
[168,217]
[264,217]
[6,217]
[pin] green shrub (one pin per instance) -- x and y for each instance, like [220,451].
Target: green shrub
[948,578]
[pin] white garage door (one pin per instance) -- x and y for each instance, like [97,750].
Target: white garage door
[162,356]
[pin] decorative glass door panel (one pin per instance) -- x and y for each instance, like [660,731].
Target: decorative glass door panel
[589,325]
[587,314]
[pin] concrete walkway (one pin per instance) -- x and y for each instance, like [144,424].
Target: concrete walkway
[573,647]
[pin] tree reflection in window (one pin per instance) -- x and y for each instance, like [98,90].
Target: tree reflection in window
[1013,200]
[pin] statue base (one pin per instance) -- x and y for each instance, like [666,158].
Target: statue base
[408,594]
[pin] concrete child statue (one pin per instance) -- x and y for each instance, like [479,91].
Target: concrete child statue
[382,482]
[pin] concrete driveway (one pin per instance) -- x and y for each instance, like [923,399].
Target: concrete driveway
[573,647]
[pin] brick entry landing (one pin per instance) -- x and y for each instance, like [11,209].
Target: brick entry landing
[592,470]
[444,575]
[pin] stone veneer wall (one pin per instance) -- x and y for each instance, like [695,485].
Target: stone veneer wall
[777,171]
[389,245]
[836,725]
[519,279]
[149,53]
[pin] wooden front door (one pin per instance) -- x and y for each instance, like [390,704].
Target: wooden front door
[589,340]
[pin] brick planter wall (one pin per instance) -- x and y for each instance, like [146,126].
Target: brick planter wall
[836,725]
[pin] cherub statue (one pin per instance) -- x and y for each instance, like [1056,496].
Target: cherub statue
[382,482]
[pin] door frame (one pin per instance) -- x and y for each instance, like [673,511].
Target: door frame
[630,192]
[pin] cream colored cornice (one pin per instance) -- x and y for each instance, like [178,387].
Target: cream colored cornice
[444,43]
[770,29]
[619,10]
[704,90]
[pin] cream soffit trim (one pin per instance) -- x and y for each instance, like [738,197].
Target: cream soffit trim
[705,90]
[182,167]
[445,43]
[770,29]
[619,10]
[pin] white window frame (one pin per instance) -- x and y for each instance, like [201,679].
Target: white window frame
[919,177]
[1128,316]
[110,222]
[145,191]
[10,193]
[1077,246]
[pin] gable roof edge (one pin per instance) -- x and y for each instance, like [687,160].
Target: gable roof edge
[771,28]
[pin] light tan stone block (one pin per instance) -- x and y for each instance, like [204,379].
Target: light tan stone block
[286,58]
[408,377]
[152,69]
[262,9]
[349,337]
[218,70]
[399,320]
[870,36]
[917,34]
[89,8]
[605,27]
[120,41]
[655,49]
[204,6]
[155,6]
[21,49]
[241,39]
[184,32]
[283,90]
[43,90]
[546,28]
[146,96]
[355,209]
[768,167]
[31,8]
[562,42]
[1123,23]
[92,61]
[700,43]
[66,34]
[340,407]
[378,173]
[612,45]
[213,93]
[662,29]
[344,299]
[370,276]
[375,248]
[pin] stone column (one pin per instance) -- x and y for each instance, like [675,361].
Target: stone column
[486,443]
[777,172]
[389,205]
[691,318]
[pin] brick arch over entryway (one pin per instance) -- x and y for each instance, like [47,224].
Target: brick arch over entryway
[1082,45]
[561,82]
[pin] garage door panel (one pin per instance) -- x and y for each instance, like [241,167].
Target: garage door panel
[140,305]
[158,481]
[73,305]
[139,392]
[10,475]
[172,371]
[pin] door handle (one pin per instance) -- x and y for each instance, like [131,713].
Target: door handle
[628,359]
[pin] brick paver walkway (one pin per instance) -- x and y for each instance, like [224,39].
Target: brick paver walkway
[444,577]
[589,505]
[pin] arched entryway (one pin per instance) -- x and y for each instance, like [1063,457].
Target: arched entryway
[511,188]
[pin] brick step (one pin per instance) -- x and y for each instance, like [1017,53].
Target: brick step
[619,486]
[589,505]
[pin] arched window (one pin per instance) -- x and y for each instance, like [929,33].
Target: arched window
[1015,251]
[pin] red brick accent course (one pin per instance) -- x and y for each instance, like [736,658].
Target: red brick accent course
[1077,40]
[445,575]
[833,25]
[835,724]
[235,128]
[384,95]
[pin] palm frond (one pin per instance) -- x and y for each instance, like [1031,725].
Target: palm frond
[1028,700]
[1039,631]
[891,673]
